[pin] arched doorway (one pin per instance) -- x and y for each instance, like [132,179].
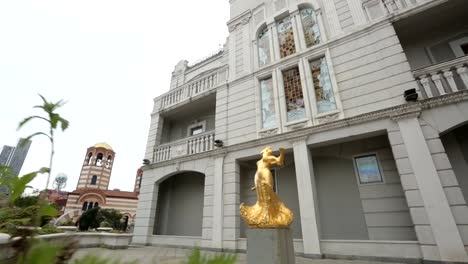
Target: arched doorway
[179,210]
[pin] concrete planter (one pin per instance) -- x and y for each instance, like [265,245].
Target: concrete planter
[68,228]
[85,240]
[104,229]
[90,240]
[5,249]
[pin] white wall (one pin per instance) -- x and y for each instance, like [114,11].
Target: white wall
[180,205]
[350,210]
[371,71]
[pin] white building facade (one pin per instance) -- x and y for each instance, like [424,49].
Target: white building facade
[369,172]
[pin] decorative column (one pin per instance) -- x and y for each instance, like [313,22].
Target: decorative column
[146,210]
[441,221]
[307,195]
[320,21]
[359,17]
[463,72]
[427,86]
[436,78]
[275,46]
[218,203]
[449,77]
[299,32]
[297,42]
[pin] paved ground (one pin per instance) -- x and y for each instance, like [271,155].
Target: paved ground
[163,255]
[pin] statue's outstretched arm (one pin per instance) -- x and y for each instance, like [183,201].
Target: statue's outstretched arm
[279,161]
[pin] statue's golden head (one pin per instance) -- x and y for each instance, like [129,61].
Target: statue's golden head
[267,151]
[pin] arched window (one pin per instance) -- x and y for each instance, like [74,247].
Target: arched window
[96,204]
[85,206]
[89,159]
[310,27]
[263,42]
[109,161]
[94,180]
[99,159]
[90,205]
[286,37]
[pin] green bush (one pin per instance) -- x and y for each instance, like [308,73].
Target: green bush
[68,223]
[112,216]
[26,201]
[104,224]
[197,258]
[88,219]
[49,229]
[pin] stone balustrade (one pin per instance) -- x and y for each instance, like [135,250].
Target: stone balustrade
[443,78]
[191,89]
[187,146]
[378,8]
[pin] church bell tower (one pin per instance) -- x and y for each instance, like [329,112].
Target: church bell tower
[97,167]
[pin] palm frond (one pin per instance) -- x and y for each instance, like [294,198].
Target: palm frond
[64,123]
[37,134]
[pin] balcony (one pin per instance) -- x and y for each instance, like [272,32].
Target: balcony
[188,146]
[204,84]
[443,78]
[379,8]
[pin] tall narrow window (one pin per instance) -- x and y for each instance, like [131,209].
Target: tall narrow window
[90,155]
[90,205]
[268,103]
[264,55]
[322,86]
[99,158]
[85,206]
[294,96]
[109,161]
[94,180]
[286,37]
[310,27]
[96,204]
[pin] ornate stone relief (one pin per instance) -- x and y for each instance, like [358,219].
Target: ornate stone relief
[268,133]
[328,118]
[241,20]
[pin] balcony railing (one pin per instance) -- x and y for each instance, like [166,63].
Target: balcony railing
[443,78]
[192,89]
[378,8]
[187,146]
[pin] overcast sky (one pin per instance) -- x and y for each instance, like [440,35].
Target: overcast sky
[108,59]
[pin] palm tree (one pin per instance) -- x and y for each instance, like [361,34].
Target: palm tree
[54,120]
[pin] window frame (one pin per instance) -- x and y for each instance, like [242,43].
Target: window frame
[455,45]
[190,127]
[379,167]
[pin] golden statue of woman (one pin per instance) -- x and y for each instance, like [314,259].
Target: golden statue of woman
[269,211]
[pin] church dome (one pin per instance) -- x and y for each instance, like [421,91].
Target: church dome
[103,145]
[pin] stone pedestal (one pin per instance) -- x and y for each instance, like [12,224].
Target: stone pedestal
[270,246]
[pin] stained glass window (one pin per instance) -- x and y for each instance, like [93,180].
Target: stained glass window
[293,93]
[310,27]
[286,37]
[268,103]
[324,95]
[264,56]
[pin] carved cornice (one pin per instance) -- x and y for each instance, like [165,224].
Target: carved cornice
[242,19]
[408,113]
